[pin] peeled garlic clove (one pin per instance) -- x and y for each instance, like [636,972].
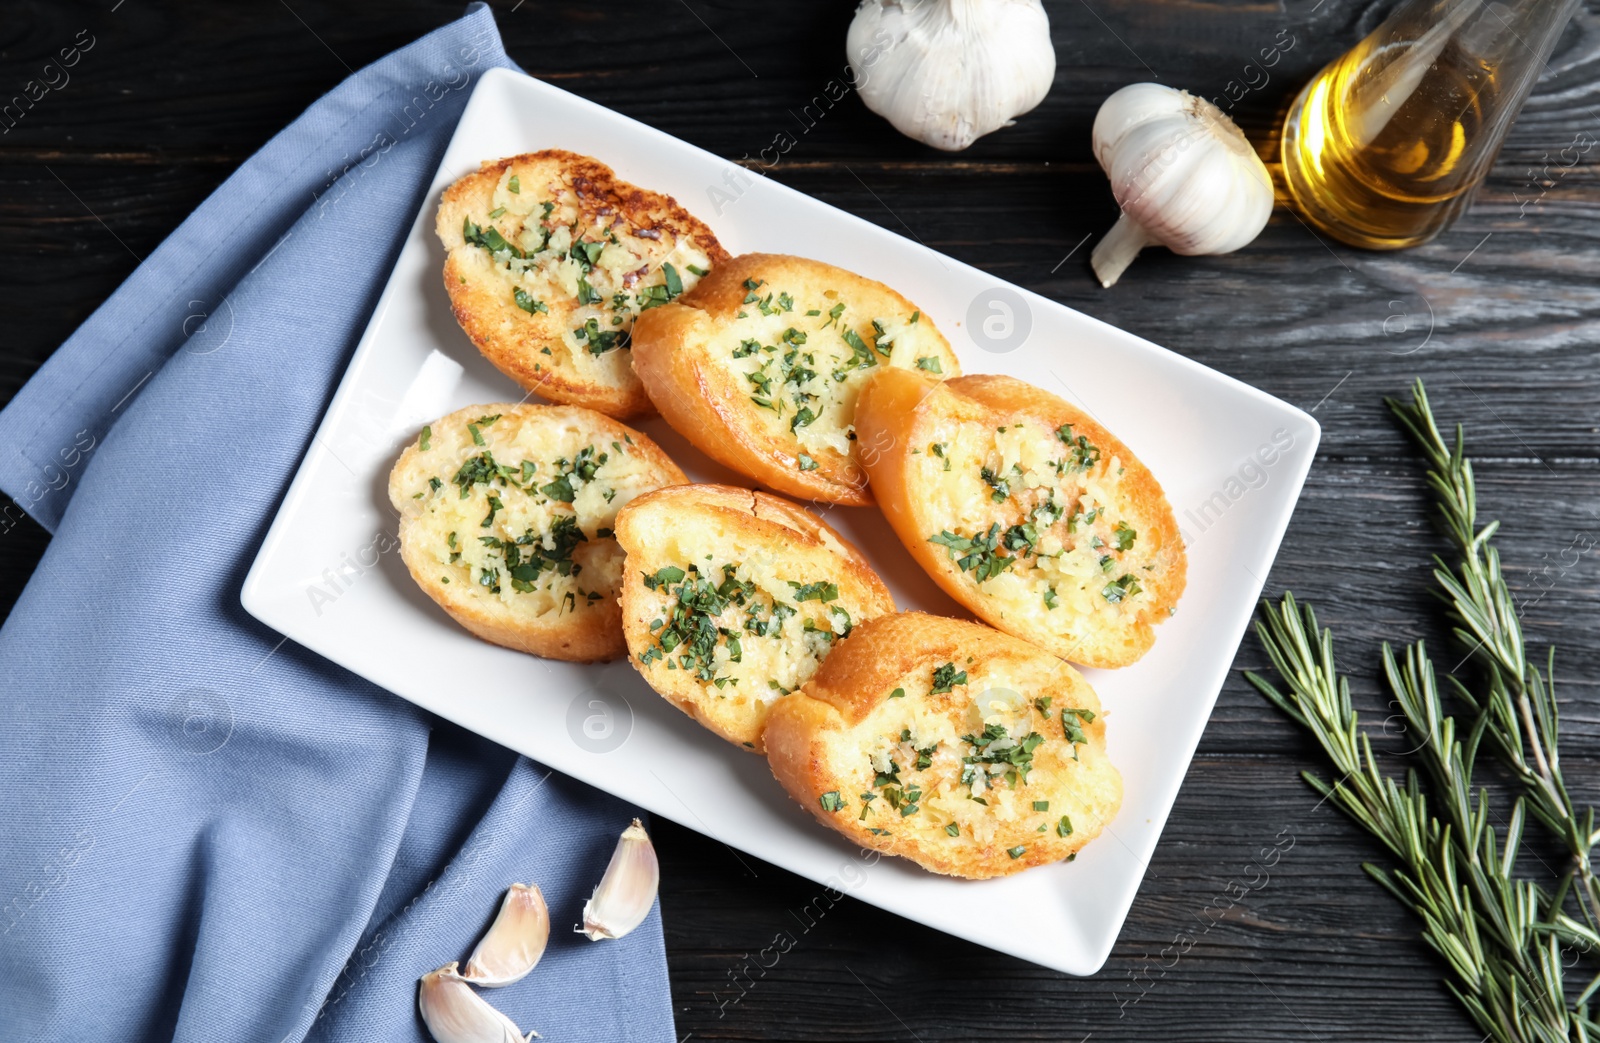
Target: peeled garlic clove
[947,72]
[456,1014]
[628,889]
[1183,173]
[515,940]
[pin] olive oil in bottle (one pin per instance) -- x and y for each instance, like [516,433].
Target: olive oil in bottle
[1384,148]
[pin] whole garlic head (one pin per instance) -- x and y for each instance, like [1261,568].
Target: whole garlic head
[1185,176]
[947,72]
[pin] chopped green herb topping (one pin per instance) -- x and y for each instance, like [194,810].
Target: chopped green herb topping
[490,239]
[1081,453]
[475,470]
[1119,589]
[820,591]
[655,296]
[831,801]
[931,364]
[527,557]
[494,506]
[975,554]
[424,443]
[861,356]
[1125,535]
[664,576]
[599,341]
[691,625]
[526,302]
[1071,729]
[946,677]
[1001,484]
[995,746]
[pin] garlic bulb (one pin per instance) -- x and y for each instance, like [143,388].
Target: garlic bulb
[456,1014]
[1185,177]
[628,889]
[947,72]
[515,941]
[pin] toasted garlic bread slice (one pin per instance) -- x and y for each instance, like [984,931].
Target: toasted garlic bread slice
[1026,511]
[550,259]
[759,366]
[506,514]
[732,597]
[970,752]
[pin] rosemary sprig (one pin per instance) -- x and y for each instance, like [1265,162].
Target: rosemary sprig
[1502,935]
[1519,699]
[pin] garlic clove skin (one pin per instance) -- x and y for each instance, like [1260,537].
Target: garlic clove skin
[628,889]
[947,72]
[456,1014]
[515,941]
[1185,176]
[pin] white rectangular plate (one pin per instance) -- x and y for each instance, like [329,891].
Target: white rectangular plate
[1231,458]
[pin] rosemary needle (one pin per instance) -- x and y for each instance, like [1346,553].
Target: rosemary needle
[1507,939]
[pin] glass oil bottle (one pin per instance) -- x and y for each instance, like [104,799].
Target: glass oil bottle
[1384,148]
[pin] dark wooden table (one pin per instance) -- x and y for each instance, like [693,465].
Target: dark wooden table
[1501,315]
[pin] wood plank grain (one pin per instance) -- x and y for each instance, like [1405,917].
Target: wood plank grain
[1500,311]
[1501,315]
[724,74]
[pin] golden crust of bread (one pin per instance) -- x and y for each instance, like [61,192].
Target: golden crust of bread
[809,337]
[731,597]
[547,580]
[914,704]
[643,245]
[1025,510]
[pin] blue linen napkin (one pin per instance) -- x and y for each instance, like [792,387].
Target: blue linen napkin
[207,833]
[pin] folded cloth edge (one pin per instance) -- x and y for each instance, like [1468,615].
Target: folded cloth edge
[76,396]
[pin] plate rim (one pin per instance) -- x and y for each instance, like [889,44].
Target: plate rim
[260,603]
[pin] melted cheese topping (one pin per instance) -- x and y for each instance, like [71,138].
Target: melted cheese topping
[772,620]
[1046,528]
[601,269]
[526,517]
[805,357]
[933,770]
